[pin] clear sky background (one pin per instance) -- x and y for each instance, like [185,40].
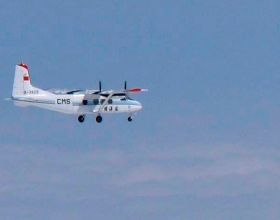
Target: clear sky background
[205,145]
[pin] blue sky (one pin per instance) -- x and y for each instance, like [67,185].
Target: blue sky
[205,146]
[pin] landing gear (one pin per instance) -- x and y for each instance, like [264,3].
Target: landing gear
[98,118]
[129,118]
[81,118]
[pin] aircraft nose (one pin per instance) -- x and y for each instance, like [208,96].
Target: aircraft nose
[138,106]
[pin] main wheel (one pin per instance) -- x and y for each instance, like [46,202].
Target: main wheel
[81,118]
[98,118]
[129,119]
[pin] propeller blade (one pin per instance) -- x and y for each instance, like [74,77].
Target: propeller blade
[125,85]
[100,88]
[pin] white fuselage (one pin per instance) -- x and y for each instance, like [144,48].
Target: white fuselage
[76,104]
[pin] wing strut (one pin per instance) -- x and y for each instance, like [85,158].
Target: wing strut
[105,102]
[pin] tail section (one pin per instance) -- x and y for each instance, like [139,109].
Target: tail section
[22,82]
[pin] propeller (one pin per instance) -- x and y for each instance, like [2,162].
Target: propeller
[125,85]
[100,87]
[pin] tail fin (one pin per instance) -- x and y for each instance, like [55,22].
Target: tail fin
[22,82]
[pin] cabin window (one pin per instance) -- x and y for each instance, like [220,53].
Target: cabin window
[110,101]
[102,101]
[85,102]
[123,99]
[95,101]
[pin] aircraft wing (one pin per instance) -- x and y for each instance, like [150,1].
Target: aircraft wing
[120,92]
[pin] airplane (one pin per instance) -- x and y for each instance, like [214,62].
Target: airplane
[77,102]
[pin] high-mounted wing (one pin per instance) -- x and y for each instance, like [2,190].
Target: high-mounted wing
[123,92]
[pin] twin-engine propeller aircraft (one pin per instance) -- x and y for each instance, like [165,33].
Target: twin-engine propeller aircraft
[78,102]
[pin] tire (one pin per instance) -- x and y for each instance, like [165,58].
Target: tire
[98,119]
[129,119]
[81,118]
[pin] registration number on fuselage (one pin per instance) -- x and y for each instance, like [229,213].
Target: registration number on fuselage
[111,108]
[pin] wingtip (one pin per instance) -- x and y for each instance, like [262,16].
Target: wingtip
[137,89]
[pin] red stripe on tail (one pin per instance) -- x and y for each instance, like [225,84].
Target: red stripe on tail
[25,78]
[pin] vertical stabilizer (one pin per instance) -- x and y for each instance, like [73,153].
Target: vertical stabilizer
[21,81]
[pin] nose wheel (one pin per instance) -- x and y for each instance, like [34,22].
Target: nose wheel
[81,118]
[129,118]
[98,119]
